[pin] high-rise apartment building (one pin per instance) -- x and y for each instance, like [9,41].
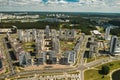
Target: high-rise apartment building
[107,32]
[113,44]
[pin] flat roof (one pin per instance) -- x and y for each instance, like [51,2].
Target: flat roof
[96,32]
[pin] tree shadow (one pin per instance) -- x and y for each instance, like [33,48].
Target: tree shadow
[100,72]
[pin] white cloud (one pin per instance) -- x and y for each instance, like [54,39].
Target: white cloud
[61,5]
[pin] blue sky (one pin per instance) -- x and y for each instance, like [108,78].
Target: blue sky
[61,5]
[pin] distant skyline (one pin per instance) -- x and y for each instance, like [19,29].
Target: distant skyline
[107,6]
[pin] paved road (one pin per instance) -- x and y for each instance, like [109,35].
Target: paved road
[81,67]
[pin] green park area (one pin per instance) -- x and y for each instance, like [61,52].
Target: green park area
[65,45]
[94,73]
[96,58]
[29,46]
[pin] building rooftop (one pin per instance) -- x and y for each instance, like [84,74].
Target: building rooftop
[96,32]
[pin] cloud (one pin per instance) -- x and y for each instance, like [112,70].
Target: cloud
[61,5]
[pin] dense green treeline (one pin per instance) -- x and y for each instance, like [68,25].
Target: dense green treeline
[30,25]
[84,24]
[115,31]
[115,22]
[75,23]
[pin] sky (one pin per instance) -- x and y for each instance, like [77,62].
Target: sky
[107,6]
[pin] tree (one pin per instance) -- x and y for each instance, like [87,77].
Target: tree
[115,31]
[105,70]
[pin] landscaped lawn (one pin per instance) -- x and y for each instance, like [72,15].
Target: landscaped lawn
[28,46]
[92,59]
[113,65]
[93,74]
[66,45]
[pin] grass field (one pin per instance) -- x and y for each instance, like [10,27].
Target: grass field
[66,45]
[28,46]
[93,74]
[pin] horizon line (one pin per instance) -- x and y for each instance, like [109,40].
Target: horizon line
[61,12]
